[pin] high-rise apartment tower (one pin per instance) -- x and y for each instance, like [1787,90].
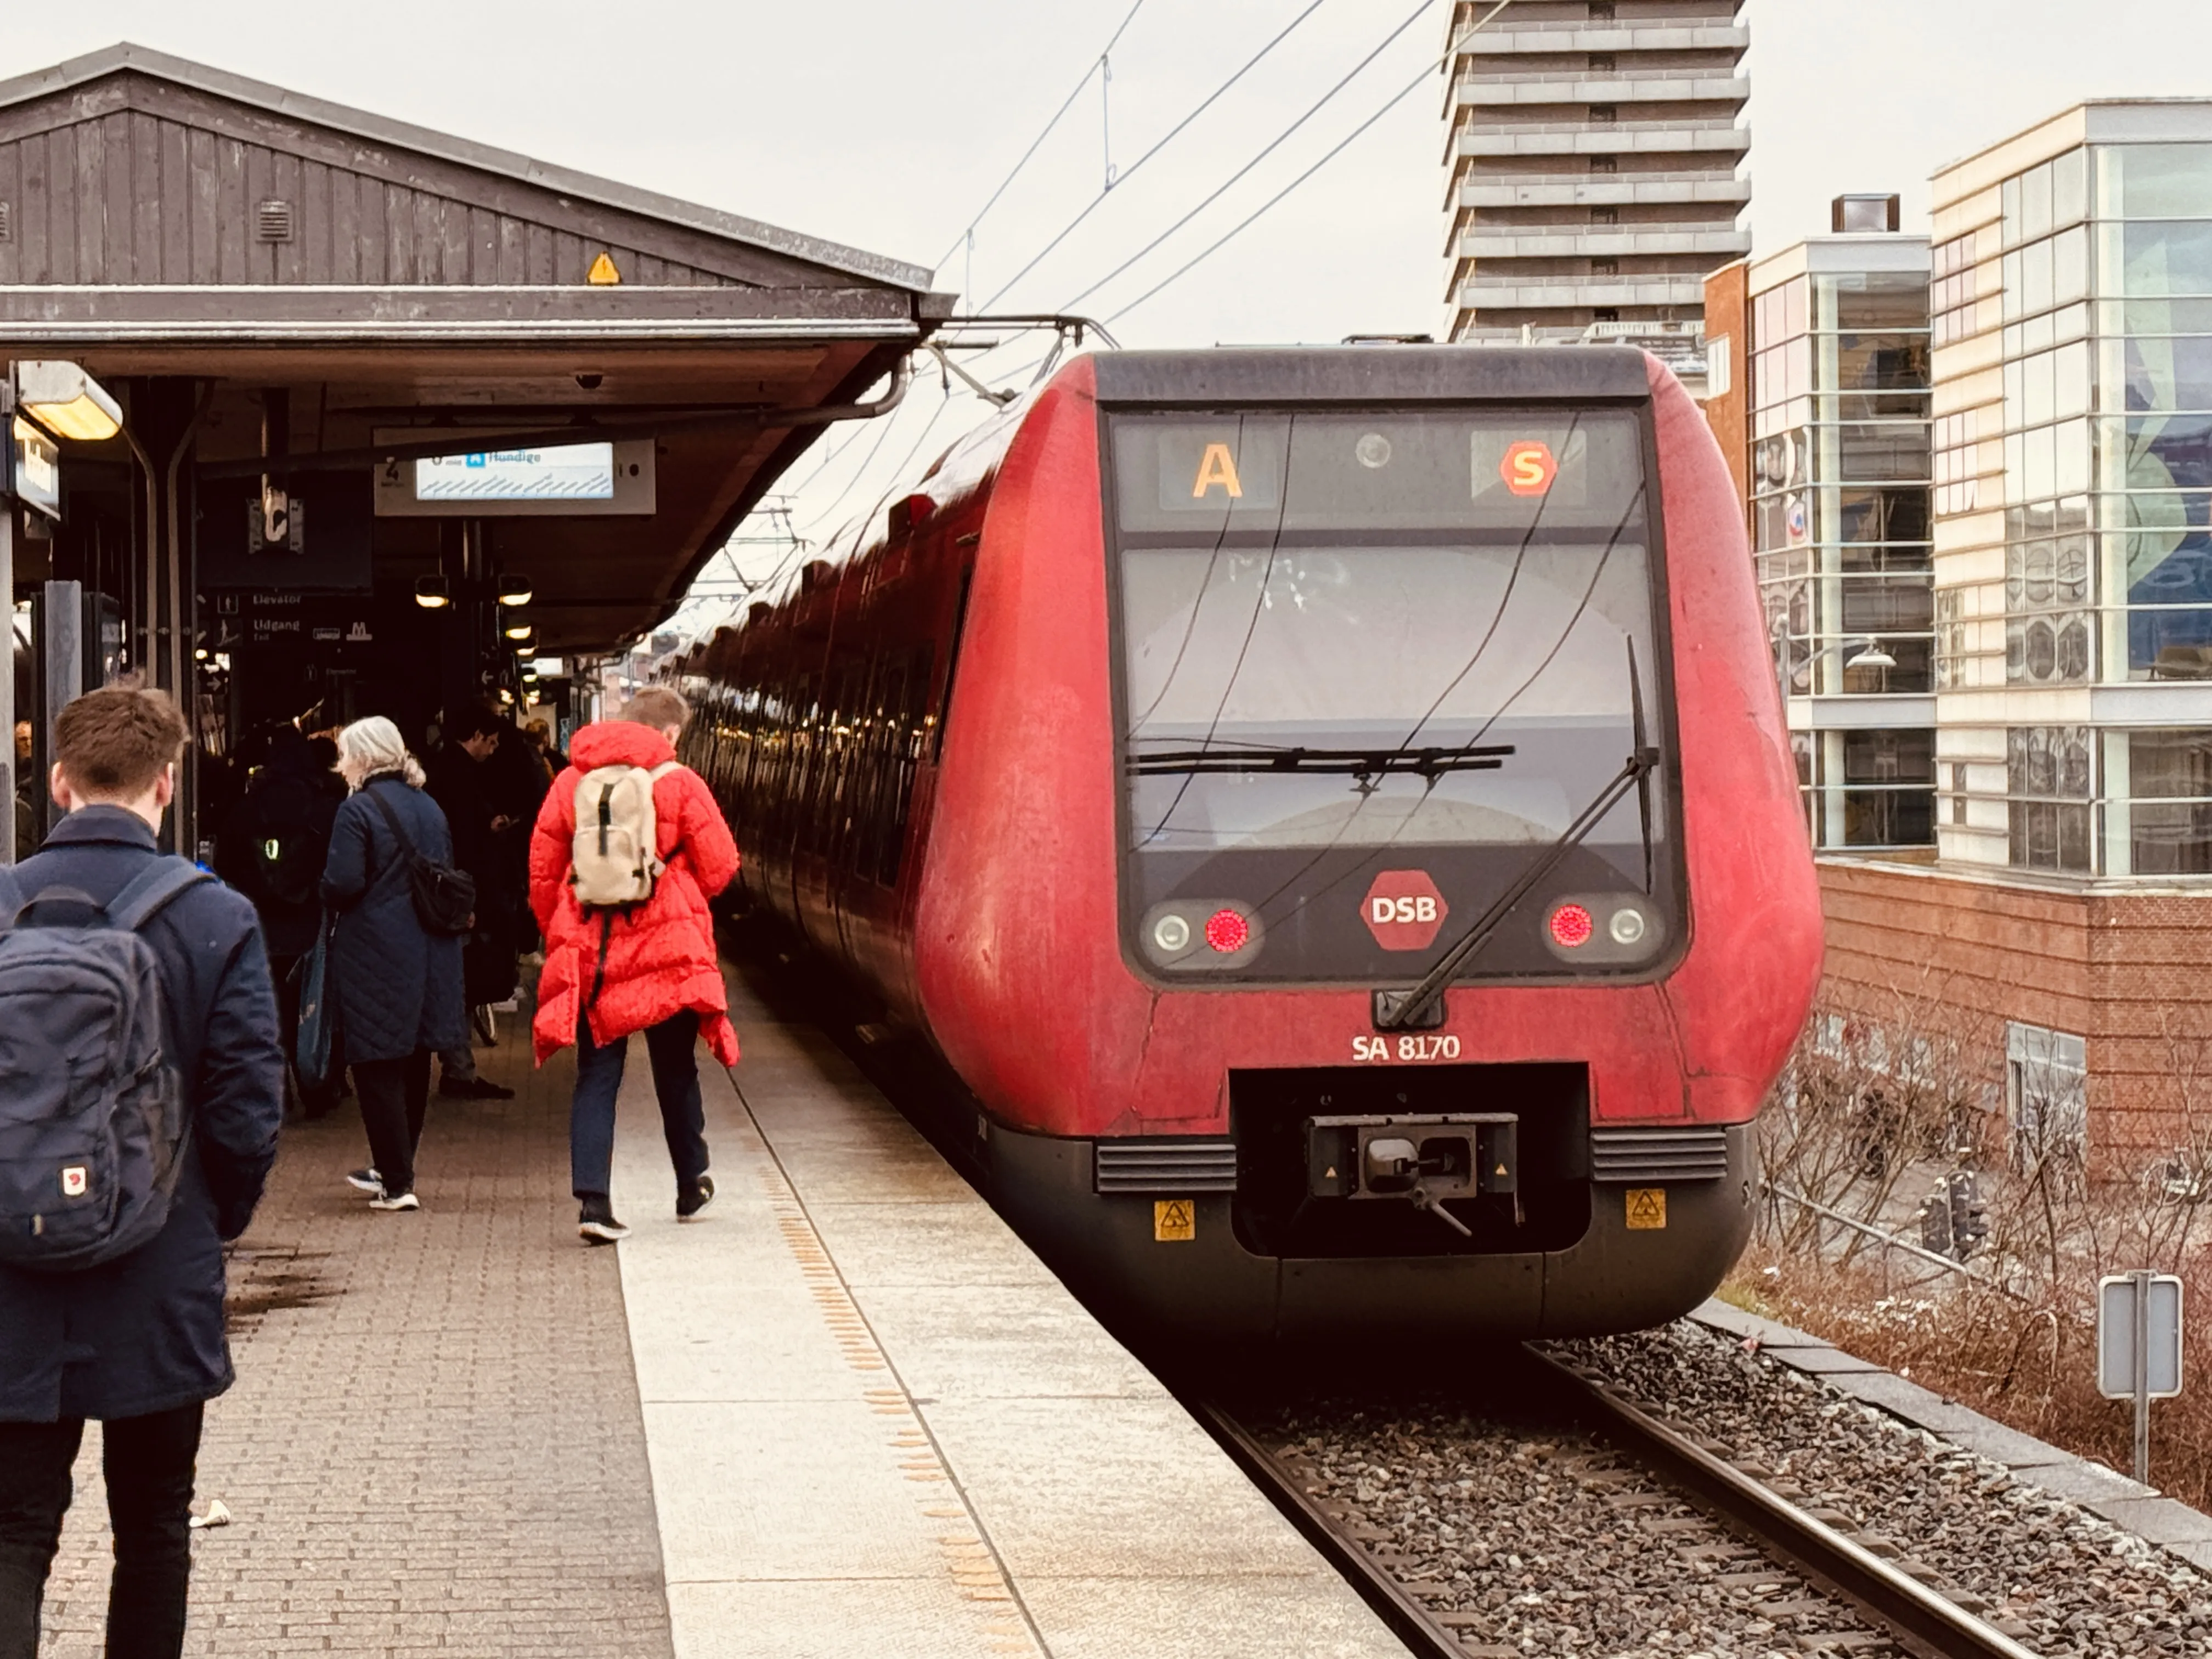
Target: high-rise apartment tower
[1595,160]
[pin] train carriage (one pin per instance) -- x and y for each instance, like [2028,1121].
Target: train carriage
[1331,810]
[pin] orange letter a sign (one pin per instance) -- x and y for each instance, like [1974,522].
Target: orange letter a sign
[1217,467]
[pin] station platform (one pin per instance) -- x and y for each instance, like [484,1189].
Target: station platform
[846,1411]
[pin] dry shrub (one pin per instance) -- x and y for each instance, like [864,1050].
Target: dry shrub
[1874,1110]
[2028,1367]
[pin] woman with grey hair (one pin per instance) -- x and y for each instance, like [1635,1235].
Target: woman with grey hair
[396,985]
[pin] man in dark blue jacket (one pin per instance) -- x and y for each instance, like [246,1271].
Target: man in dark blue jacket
[138,1343]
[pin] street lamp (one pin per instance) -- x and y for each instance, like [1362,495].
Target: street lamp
[514,591]
[66,401]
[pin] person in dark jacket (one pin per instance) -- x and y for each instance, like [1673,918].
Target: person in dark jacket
[272,849]
[138,1343]
[398,986]
[458,778]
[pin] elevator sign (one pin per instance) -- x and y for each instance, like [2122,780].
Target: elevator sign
[35,474]
[1404,909]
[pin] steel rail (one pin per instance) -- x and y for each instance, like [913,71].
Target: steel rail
[1917,1618]
[1382,1590]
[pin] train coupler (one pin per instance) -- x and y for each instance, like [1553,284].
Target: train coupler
[1425,1159]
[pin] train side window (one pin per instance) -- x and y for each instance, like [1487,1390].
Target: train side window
[907,738]
[951,663]
[886,713]
[856,849]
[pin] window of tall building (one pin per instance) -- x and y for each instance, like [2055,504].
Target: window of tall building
[2152,270]
[1602,113]
[1840,477]
[2050,789]
[1889,788]
[1605,164]
[1601,61]
[2047,617]
[1867,789]
[2169,800]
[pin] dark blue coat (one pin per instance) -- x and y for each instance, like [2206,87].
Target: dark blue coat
[398,987]
[286,802]
[144,1333]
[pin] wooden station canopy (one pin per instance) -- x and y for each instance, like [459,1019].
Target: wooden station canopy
[166,224]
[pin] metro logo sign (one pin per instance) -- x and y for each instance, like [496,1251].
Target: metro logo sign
[1404,911]
[1528,467]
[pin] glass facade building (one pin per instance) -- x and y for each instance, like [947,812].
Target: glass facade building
[2072,336]
[1837,418]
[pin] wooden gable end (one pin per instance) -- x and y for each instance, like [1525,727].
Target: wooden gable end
[135,180]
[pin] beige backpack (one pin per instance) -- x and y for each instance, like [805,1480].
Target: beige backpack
[615,858]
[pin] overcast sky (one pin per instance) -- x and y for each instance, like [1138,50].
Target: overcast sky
[887,124]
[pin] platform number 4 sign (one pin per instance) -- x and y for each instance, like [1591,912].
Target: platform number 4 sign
[1175,1221]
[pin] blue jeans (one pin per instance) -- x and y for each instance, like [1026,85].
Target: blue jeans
[672,1047]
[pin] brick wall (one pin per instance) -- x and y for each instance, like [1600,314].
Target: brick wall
[1727,317]
[2130,972]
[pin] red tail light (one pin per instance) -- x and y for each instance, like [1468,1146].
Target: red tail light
[1229,932]
[1572,926]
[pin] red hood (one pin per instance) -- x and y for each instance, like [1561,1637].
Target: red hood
[618,742]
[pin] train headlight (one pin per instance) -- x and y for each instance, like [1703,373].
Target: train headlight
[1200,935]
[1603,930]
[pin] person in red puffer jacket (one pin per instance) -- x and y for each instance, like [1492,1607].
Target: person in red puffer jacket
[650,967]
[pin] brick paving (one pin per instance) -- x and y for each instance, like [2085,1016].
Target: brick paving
[434,1443]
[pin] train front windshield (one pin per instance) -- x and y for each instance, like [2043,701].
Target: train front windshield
[1405,645]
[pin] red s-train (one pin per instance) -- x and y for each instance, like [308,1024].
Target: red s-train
[1330,809]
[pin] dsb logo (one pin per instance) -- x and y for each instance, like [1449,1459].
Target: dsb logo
[1404,909]
[1419,908]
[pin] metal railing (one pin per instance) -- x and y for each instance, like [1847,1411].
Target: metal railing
[1890,1242]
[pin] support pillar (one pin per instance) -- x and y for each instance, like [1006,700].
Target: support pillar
[9,781]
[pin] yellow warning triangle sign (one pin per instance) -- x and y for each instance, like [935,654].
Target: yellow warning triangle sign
[602,273]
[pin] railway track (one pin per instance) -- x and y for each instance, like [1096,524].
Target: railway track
[1898,1612]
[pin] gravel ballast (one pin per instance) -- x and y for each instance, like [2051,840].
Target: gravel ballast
[2062,1581]
[1526,1536]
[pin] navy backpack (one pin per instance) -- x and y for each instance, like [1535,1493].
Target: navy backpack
[92,1111]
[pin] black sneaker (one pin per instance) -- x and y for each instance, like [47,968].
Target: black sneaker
[695,1197]
[365,1180]
[384,1201]
[596,1223]
[472,1088]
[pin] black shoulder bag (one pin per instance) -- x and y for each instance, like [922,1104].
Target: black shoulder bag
[445,898]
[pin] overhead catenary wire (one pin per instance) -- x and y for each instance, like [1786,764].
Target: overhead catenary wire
[1075,93]
[1456,43]
[1130,172]
[1273,145]
[1246,224]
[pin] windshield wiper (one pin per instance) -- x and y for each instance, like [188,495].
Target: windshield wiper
[1397,1010]
[1357,763]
